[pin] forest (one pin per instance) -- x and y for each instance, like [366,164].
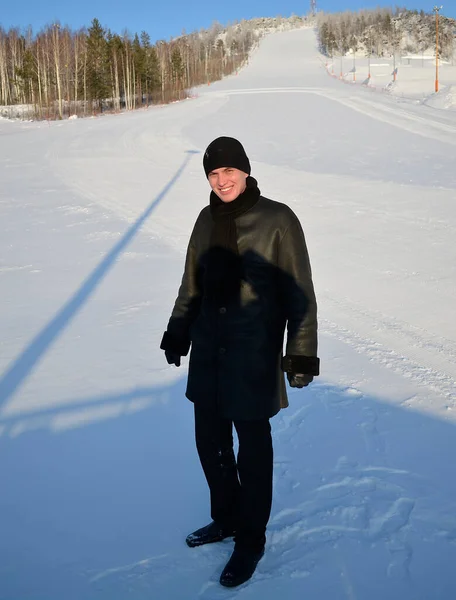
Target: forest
[59,72]
[382,32]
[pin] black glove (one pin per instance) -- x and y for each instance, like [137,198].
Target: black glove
[173,358]
[299,380]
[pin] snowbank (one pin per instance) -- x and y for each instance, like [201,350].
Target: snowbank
[445,99]
[415,76]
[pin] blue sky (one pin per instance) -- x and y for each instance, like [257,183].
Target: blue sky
[167,18]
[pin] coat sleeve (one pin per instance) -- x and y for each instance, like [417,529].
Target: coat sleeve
[299,302]
[176,338]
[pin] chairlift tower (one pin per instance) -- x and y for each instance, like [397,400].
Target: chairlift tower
[313,7]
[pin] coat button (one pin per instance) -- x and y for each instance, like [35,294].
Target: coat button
[222,310]
[222,350]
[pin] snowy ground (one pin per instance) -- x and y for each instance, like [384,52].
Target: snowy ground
[99,478]
[415,77]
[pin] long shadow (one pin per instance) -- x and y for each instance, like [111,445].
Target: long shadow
[81,412]
[21,368]
[263,292]
[364,501]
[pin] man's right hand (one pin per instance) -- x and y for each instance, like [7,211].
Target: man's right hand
[173,358]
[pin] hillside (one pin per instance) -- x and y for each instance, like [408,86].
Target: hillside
[57,72]
[381,32]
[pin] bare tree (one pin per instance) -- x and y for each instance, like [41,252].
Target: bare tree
[59,71]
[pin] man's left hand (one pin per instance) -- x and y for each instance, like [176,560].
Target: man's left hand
[299,380]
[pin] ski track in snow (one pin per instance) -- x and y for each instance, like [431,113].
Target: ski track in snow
[401,118]
[410,351]
[364,497]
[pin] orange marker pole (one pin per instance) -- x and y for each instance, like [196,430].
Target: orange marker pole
[436,48]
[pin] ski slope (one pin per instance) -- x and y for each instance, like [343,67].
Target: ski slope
[100,482]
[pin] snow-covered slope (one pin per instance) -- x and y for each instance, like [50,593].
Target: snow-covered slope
[100,481]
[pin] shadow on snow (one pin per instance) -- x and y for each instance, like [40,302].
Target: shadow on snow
[23,366]
[364,502]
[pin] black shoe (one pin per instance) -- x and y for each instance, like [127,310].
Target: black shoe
[240,567]
[209,534]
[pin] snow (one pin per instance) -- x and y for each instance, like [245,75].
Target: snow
[415,77]
[100,482]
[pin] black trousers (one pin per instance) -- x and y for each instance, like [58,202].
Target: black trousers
[240,491]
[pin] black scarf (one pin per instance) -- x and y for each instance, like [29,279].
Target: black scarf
[224,266]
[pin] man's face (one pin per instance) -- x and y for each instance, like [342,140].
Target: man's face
[227,183]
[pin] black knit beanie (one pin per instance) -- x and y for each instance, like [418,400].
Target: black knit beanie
[225,152]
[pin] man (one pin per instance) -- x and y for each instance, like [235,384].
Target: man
[247,277]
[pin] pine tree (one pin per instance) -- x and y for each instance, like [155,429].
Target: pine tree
[152,81]
[177,67]
[98,80]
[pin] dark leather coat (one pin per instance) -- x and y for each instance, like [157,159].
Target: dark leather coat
[236,356]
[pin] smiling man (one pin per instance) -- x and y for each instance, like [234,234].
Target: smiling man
[247,277]
[228,183]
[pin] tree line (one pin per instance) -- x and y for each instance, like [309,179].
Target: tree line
[60,72]
[383,31]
